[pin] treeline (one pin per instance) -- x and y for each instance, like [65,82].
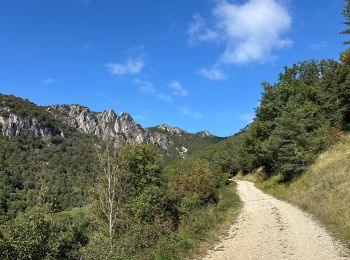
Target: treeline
[68,196]
[300,115]
[131,205]
[298,118]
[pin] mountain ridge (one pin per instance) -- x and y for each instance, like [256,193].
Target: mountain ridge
[106,125]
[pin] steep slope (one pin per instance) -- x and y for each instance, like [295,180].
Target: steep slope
[48,154]
[109,126]
[323,190]
[42,160]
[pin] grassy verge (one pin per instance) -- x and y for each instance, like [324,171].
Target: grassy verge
[200,229]
[323,190]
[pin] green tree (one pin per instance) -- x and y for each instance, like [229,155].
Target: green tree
[294,119]
[346,14]
[130,200]
[35,235]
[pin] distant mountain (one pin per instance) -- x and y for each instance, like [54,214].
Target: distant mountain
[17,118]
[48,154]
[109,126]
[42,160]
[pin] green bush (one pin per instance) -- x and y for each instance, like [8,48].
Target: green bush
[200,184]
[35,235]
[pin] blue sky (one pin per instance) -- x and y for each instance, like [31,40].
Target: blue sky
[195,64]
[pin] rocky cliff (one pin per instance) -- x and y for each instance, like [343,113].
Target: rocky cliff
[109,126]
[15,122]
[19,117]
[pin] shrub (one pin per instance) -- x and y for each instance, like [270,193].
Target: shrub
[200,185]
[35,235]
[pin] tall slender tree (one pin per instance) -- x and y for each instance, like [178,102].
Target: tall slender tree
[346,14]
[109,190]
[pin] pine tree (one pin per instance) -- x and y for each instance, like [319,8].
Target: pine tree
[346,14]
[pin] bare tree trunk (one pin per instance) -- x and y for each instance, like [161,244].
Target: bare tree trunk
[108,191]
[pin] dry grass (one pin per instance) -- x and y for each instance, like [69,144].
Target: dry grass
[323,191]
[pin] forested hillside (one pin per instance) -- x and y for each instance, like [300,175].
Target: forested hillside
[55,170]
[78,184]
[65,194]
[299,116]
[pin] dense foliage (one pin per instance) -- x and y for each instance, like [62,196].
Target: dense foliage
[37,235]
[52,191]
[67,197]
[194,143]
[131,207]
[149,205]
[56,172]
[294,121]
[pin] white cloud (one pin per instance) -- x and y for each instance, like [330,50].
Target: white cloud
[188,112]
[249,31]
[178,89]
[131,66]
[145,87]
[214,73]
[164,97]
[199,32]
[48,81]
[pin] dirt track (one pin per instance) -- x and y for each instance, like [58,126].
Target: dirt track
[268,228]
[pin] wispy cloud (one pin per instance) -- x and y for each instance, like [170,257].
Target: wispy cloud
[131,66]
[178,89]
[214,73]
[165,97]
[249,32]
[198,31]
[86,47]
[189,112]
[319,45]
[145,86]
[48,81]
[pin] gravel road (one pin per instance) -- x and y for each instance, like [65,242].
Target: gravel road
[268,228]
